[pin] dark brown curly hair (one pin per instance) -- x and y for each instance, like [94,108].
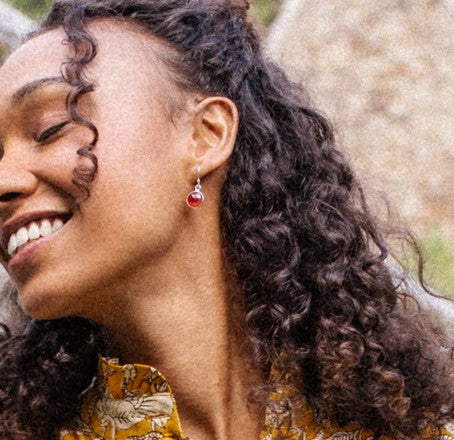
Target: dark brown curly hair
[308,253]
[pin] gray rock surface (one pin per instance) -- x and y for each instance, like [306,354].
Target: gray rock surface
[13,25]
[10,314]
[384,73]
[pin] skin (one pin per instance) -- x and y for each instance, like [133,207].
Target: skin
[134,257]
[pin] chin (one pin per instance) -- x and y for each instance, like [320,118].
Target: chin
[43,305]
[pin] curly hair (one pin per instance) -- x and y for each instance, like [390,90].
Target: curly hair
[308,253]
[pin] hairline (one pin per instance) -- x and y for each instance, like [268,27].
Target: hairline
[160,51]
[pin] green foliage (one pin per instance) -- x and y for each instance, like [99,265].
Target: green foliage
[265,10]
[439,261]
[3,52]
[35,9]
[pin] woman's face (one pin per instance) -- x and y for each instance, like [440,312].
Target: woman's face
[137,204]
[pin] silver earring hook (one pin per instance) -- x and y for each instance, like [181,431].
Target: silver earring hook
[198,186]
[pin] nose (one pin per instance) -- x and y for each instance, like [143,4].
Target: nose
[15,182]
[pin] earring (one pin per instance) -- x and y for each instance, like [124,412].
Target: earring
[195,198]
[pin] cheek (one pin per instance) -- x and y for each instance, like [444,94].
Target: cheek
[56,162]
[132,216]
[141,169]
[137,203]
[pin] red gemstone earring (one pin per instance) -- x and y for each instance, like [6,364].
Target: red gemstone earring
[196,197]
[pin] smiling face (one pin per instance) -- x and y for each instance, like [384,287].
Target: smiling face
[137,205]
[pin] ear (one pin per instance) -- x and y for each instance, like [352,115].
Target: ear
[215,127]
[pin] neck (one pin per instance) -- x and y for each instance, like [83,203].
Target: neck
[186,321]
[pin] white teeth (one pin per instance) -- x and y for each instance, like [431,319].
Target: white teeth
[21,236]
[33,231]
[12,245]
[57,224]
[46,228]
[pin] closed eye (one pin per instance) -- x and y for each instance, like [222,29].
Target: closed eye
[50,132]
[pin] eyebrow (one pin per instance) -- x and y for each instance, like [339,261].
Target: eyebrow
[33,86]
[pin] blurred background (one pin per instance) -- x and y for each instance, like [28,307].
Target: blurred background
[383,72]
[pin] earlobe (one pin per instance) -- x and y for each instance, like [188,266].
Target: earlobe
[214,132]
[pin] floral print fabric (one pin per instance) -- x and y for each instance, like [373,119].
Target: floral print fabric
[290,417]
[130,402]
[135,402]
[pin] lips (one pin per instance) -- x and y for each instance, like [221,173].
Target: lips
[24,220]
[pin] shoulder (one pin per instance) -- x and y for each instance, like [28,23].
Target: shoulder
[447,431]
[286,417]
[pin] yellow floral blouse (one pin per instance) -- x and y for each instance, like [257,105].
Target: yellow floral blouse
[135,402]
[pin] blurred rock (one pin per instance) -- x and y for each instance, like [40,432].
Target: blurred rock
[10,313]
[384,73]
[13,26]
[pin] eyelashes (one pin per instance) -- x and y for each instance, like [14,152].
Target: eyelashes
[50,132]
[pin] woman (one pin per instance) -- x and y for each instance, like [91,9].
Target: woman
[169,198]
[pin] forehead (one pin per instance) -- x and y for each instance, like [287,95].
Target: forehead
[125,56]
[41,56]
